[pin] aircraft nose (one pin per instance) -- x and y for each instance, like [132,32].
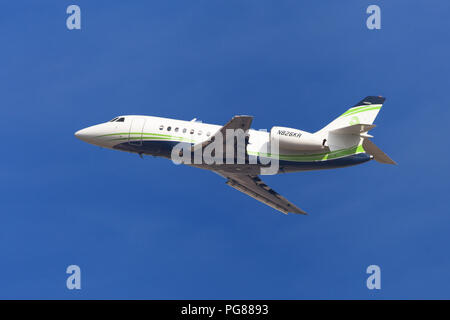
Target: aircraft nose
[96,135]
[83,134]
[90,134]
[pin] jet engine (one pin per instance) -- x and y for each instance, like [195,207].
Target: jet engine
[294,139]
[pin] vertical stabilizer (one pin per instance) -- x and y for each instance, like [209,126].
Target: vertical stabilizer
[364,112]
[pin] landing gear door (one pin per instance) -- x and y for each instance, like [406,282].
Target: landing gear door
[136,130]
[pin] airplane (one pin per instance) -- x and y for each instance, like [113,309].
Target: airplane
[343,142]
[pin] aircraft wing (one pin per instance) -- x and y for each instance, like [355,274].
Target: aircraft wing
[237,122]
[253,186]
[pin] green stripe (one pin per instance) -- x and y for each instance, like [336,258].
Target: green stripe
[155,138]
[137,136]
[361,110]
[128,133]
[143,138]
[314,157]
[298,158]
[355,108]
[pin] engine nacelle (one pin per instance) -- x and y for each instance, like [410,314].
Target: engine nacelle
[294,139]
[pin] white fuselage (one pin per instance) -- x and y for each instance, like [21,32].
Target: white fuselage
[157,136]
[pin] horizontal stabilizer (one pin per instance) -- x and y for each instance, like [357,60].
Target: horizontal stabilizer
[354,129]
[376,152]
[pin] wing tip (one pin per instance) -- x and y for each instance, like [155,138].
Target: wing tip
[298,211]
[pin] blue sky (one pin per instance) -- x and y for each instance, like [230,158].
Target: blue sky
[147,229]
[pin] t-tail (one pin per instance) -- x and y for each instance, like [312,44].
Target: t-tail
[350,130]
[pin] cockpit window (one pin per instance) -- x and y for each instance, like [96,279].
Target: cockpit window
[117,119]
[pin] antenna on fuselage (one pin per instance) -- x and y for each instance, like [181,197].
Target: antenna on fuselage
[193,120]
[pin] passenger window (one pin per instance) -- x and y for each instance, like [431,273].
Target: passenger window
[200,132]
[161,127]
[169,128]
[176,129]
[184,130]
[192,131]
[208,134]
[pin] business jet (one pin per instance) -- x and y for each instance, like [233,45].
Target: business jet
[343,142]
